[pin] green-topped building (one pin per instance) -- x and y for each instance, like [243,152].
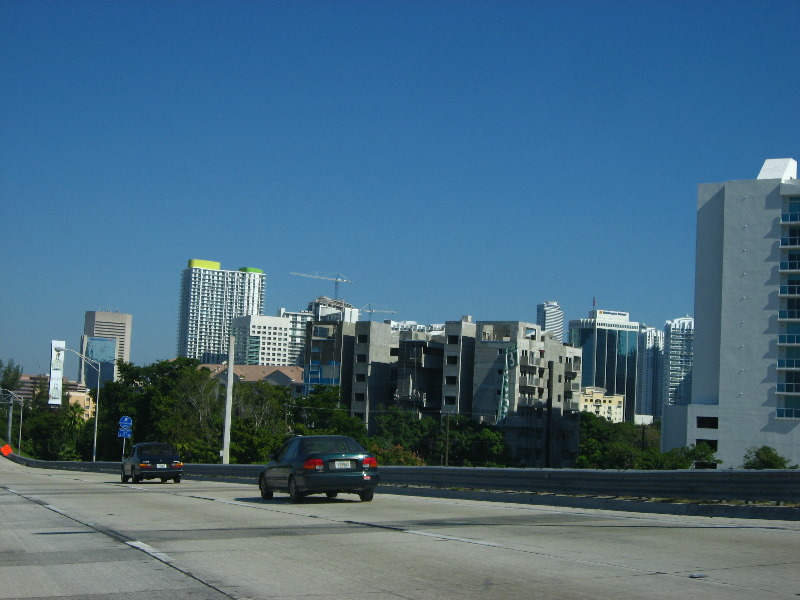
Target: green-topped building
[211,298]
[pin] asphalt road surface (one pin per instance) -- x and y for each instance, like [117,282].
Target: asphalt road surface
[86,535]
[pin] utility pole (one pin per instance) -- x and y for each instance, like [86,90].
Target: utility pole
[226,437]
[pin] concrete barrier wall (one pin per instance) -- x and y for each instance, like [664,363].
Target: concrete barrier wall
[713,485]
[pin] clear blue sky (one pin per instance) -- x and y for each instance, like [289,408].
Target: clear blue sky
[448,157]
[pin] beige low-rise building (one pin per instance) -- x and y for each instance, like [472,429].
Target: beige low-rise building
[609,406]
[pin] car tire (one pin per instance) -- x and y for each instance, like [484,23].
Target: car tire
[294,494]
[331,494]
[266,493]
[122,475]
[164,479]
[135,478]
[177,479]
[366,495]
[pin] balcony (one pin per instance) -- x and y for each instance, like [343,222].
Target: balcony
[789,266]
[790,242]
[789,315]
[789,290]
[530,381]
[789,364]
[789,339]
[531,361]
[790,218]
[788,388]
[788,413]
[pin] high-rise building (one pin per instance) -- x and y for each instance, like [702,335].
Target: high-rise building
[107,339]
[678,358]
[550,318]
[261,340]
[648,379]
[210,299]
[297,333]
[746,371]
[610,344]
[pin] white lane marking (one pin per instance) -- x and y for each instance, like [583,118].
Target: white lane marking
[146,548]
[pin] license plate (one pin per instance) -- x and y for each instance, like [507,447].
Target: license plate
[342,464]
[161,466]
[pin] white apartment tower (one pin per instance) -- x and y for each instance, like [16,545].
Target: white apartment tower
[746,371]
[550,318]
[210,299]
[678,358]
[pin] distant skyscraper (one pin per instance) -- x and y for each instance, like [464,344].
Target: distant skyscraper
[746,347]
[210,299]
[550,317]
[648,379]
[106,338]
[610,344]
[678,358]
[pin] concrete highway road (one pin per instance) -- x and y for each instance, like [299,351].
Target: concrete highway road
[86,535]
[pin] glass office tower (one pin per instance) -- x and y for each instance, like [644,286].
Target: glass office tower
[610,353]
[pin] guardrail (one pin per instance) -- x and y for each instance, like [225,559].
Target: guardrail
[712,485]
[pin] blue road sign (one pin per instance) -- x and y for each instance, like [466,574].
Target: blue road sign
[126,423]
[124,433]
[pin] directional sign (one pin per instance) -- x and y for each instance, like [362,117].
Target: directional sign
[124,433]
[125,423]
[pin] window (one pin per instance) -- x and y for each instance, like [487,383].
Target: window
[451,380]
[450,400]
[360,397]
[710,443]
[707,422]
[452,339]
[362,358]
[361,377]
[363,339]
[452,359]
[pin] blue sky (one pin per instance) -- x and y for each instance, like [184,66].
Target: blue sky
[449,158]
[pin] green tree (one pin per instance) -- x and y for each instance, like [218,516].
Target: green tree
[765,457]
[10,375]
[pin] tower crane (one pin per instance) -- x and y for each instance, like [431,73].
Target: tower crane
[368,309]
[337,279]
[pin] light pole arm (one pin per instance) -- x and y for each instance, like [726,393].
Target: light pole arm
[95,364]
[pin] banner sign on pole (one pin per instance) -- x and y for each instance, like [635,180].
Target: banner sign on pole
[56,371]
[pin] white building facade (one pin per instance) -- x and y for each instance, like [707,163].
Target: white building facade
[746,371]
[210,299]
[678,360]
[297,333]
[550,318]
[262,340]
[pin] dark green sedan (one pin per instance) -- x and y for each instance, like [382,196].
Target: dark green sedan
[320,464]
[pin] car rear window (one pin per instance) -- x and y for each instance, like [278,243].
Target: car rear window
[157,450]
[332,444]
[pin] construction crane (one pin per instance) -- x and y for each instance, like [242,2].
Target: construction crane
[367,308]
[339,278]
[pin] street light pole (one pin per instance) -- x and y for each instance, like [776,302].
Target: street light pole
[11,398]
[95,364]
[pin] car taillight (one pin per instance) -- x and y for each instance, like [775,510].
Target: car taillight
[145,466]
[177,464]
[313,464]
[370,461]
